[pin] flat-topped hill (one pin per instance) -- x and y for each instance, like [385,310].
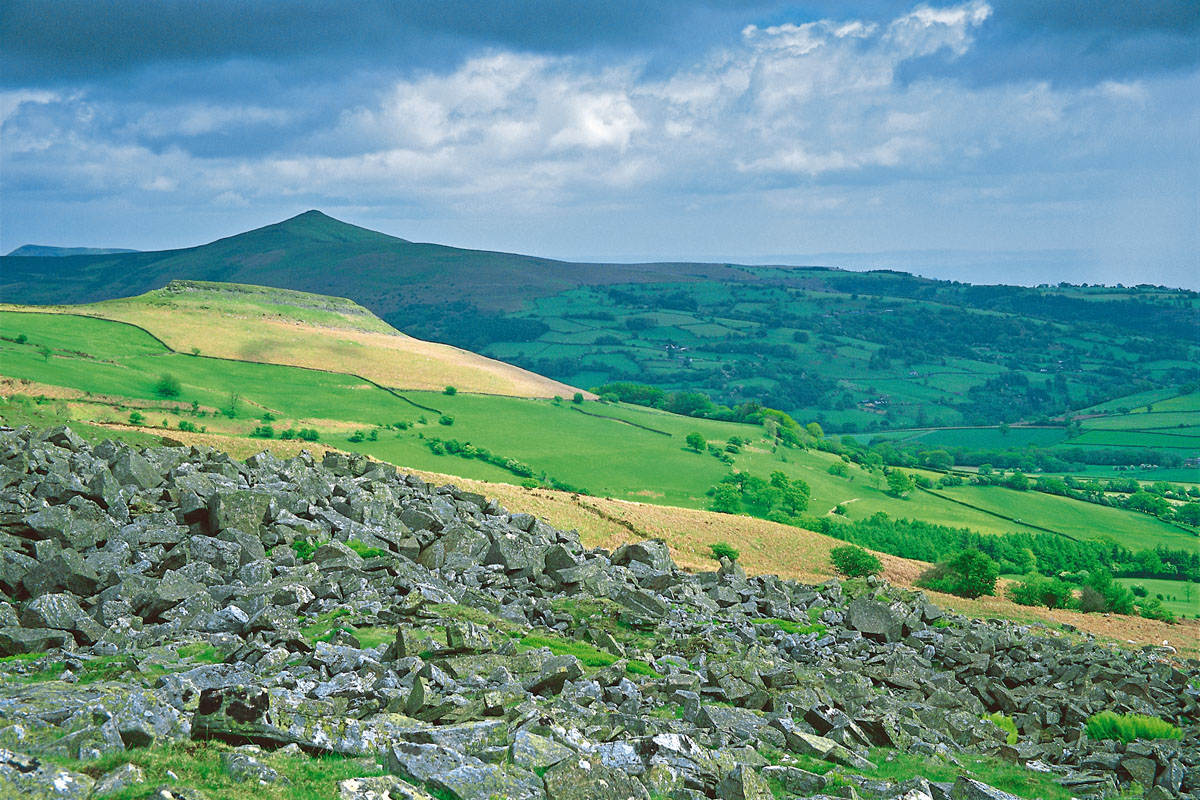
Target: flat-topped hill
[281,326]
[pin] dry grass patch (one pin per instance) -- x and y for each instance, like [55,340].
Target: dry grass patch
[245,332]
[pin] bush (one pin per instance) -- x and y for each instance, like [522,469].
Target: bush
[1139,590]
[365,550]
[263,432]
[446,419]
[136,418]
[1005,724]
[854,562]
[304,549]
[577,398]
[187,427]
[968,573]
[1037,590]
[450,390]
[724,550]
[1127,727]
[168,386]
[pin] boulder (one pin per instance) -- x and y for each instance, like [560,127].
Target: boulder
[588,778]
[876,620]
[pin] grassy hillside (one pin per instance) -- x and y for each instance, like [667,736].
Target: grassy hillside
[618,451]
[254,323]
[315,253]
[766,547]
[854,351]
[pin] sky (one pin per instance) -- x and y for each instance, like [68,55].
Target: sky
[1017,141]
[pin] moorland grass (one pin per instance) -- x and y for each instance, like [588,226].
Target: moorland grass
[1127,727]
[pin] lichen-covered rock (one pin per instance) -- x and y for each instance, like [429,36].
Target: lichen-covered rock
[587,778]
[227,602]
[30,778]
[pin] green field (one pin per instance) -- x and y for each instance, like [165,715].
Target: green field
[1078,520]
[1182,598]
[614,450]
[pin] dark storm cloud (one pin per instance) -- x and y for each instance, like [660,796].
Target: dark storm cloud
[46,41]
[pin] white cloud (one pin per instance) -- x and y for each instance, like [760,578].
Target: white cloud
[782,108]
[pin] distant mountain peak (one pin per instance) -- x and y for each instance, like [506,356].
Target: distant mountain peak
[318,226]
[50,251]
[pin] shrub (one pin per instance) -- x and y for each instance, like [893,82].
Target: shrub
[308,434]
[1037,590]
[304,549]
[899,483]
[1005,724]
[187,427]
[724,550]
[968,573]
[355,437]
[854,562]
[446,419]
[263,432]
[167,386]
[726,499]
[365,550]
[577,398]
[136,418]
[450,390]
[839,469]
[21,338]
[1139,590]
[1127,727]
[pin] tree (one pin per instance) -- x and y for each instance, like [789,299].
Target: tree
[795,497]
[1018,481]
[136,418]
[695,441]
[45,352]
[854,562]
[814,430]
[899,484]
[167,386]
[727,499]
[939,459]
[450,390]
[969,573]
[724,550]
[577,398]
[1188,513]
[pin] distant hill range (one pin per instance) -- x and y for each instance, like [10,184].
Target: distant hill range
[313,252]
[48,251]
[854,351]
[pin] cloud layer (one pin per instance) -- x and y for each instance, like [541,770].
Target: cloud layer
[851,134]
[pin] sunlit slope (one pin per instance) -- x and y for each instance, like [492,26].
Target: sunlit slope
[766,547]
[279,326]
[617,451]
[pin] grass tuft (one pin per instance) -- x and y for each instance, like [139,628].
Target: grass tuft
[1127,727]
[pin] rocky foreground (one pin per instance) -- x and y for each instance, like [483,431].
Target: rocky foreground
[172,594]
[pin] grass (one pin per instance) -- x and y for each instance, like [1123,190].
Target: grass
[1181,598]
[589,656]
[787,626]
[197,765]
[1127,727]
[613,450]
[1004,723]
[1013,778]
